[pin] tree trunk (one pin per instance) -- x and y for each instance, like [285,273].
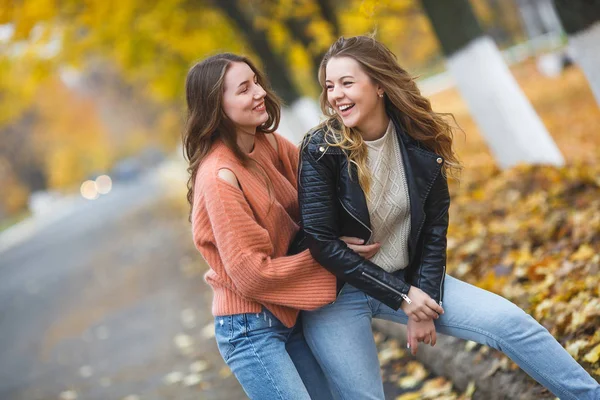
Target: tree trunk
[581,21]
[274,65]
[329,14]
[532,21]
[298,28]
[507,121]
[549,16]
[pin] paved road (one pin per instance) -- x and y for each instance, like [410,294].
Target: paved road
[105,300]
[108,302]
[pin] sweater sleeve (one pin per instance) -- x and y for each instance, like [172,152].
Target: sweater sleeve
[245,249]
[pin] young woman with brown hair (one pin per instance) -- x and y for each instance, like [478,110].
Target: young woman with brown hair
[243,193]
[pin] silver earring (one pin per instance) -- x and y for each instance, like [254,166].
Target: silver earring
[380,94]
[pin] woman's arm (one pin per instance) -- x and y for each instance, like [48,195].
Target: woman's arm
[245,249]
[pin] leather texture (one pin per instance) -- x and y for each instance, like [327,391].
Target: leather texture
[332,204]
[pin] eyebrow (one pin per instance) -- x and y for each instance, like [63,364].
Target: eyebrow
[246,81]
[345,76]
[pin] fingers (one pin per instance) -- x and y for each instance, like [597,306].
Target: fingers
[364,248]
[414,316]
[414,345]
[352,240]
[430,313]
[427,338]
[422,316]
[433,338]
[366,251]
[434,306]
[371,254]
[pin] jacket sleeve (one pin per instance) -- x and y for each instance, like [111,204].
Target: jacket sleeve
[245,249]
[432,270]
[319,208]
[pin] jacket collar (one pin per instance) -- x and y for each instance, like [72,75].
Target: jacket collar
[421,168]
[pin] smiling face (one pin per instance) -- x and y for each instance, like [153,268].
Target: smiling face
[352,93]
[244,98]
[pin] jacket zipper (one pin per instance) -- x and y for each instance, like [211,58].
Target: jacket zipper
[442,284]
[385,285]
[359,221]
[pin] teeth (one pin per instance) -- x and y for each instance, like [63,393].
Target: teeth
[345,107]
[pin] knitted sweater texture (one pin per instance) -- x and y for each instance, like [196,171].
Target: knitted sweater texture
[388,202]
[244,234]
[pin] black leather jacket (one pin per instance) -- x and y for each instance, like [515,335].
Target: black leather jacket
[332,204]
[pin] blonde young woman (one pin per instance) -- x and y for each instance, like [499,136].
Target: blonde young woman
[376,170]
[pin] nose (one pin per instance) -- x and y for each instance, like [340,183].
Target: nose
[259,93]
[336,93]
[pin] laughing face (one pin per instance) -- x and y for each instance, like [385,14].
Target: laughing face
[351,93]
[244,98]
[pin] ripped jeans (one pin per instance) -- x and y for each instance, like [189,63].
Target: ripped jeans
[270,360]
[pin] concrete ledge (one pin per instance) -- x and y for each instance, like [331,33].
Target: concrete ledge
[451,359]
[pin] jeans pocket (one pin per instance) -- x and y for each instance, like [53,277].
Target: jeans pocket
[223,335]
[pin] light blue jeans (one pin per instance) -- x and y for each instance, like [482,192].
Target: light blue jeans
[341,339]
[270,360]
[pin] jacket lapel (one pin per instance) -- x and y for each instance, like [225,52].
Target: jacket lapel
[421,169]
[354,200]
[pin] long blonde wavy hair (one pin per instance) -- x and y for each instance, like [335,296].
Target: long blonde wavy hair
[403,101]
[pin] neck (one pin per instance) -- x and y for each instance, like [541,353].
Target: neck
[375,126]
[245,139]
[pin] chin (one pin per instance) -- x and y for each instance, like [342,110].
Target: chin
[263,119]
[350,122]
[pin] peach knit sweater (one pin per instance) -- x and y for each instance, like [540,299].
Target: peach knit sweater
[244,235]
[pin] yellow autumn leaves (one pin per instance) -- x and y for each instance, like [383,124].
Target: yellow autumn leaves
[532,234]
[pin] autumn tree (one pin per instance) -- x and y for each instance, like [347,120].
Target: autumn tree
[581,21]
[510,125]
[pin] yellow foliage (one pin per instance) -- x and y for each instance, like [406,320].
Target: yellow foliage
[482,10]
[19,79]
[169,127]
[322,33]
[409,396]
[593,356]
[69,136]
[14,195]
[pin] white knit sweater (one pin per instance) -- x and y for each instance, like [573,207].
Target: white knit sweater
[388,201]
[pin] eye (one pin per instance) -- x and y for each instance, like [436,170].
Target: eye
[348,83]
[244,90]
[328,87]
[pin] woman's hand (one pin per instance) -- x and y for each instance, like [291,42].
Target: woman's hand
[365,250]
[422,307]
[423,331]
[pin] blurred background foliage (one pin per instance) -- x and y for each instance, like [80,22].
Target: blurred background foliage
[86,83]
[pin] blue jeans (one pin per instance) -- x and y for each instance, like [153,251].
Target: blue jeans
[341,339]
[270,360]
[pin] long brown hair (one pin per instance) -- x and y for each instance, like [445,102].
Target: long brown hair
[206,120]
[403,102]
